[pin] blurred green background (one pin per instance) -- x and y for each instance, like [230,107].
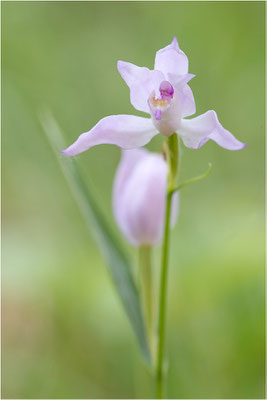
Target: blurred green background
[64,332]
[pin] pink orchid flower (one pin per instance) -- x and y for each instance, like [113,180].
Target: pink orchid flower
[165,95]
[139,196]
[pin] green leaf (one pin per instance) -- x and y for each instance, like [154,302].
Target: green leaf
[193,180]
[119,266]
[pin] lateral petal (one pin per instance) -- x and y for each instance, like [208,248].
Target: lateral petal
[126,131]
[197,131]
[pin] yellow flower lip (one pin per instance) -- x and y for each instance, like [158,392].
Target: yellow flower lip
[160,104]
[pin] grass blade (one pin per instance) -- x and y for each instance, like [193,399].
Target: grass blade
[117,262]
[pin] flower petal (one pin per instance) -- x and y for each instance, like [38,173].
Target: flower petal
[141,81]
[180,80]
[187,101]
[197,131]
[126,131]
[171,60]
[168,110]
[166,119]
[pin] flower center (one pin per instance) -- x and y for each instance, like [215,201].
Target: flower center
[162,103]
[166,90]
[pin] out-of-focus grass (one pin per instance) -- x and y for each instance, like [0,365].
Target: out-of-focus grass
[64,332]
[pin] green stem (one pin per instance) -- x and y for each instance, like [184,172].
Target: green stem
[172,160]
[162,304]
[147,290]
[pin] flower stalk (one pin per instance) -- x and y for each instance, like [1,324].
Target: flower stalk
[146,286]
[172,160]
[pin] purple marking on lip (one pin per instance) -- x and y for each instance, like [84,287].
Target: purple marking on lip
[158,115]
[166,90]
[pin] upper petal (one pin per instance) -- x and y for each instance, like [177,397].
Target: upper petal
[197,131]
[171,60]
[141,82]
[126,131]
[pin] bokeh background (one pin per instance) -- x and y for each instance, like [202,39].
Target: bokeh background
[64,332]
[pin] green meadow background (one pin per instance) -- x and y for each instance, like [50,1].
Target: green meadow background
[64,332]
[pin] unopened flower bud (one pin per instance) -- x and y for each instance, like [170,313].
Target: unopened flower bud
[139,196]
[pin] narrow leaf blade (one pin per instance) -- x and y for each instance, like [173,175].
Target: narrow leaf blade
[119,266]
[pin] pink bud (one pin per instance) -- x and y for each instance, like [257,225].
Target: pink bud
[139,195]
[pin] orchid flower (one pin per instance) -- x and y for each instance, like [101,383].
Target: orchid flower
[164,94]
[139,196]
